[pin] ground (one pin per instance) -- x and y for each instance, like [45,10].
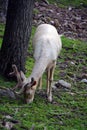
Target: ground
[70,21]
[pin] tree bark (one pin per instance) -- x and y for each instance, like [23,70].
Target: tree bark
[16,37]
[3,10]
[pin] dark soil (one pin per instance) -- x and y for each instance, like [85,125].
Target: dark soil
[70,21]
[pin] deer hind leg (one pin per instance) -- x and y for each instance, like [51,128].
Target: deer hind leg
[50,73]
[48,82]
[40,83]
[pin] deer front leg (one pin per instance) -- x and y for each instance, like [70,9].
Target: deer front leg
[49,89]
[50,74]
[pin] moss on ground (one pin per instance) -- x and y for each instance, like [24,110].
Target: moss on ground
[68,111]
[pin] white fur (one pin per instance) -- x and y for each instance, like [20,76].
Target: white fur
[47,45]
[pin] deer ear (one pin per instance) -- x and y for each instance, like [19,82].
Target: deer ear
[33,82]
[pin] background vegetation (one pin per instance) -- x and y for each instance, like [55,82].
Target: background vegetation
[63,3]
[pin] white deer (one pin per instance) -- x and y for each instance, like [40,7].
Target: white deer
[47,45]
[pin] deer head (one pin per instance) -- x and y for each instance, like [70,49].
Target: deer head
[27,85]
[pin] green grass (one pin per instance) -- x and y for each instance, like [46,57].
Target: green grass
[1,33]
[63,3]
[68,111]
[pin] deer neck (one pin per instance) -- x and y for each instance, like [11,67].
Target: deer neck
[39,68]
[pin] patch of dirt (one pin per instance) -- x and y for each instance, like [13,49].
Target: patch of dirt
[72,22]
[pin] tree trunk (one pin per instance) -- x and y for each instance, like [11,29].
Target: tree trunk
[3,10]
[16,36]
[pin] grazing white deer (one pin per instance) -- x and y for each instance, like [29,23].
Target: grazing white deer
[47,45]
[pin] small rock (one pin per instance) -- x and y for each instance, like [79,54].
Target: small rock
[52,22]
[84,80]
[64,84]
[46,1]
[50,11]
[70,8]
[84,76]
[7,92]
[8,117]
[72,94]
[72,63]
